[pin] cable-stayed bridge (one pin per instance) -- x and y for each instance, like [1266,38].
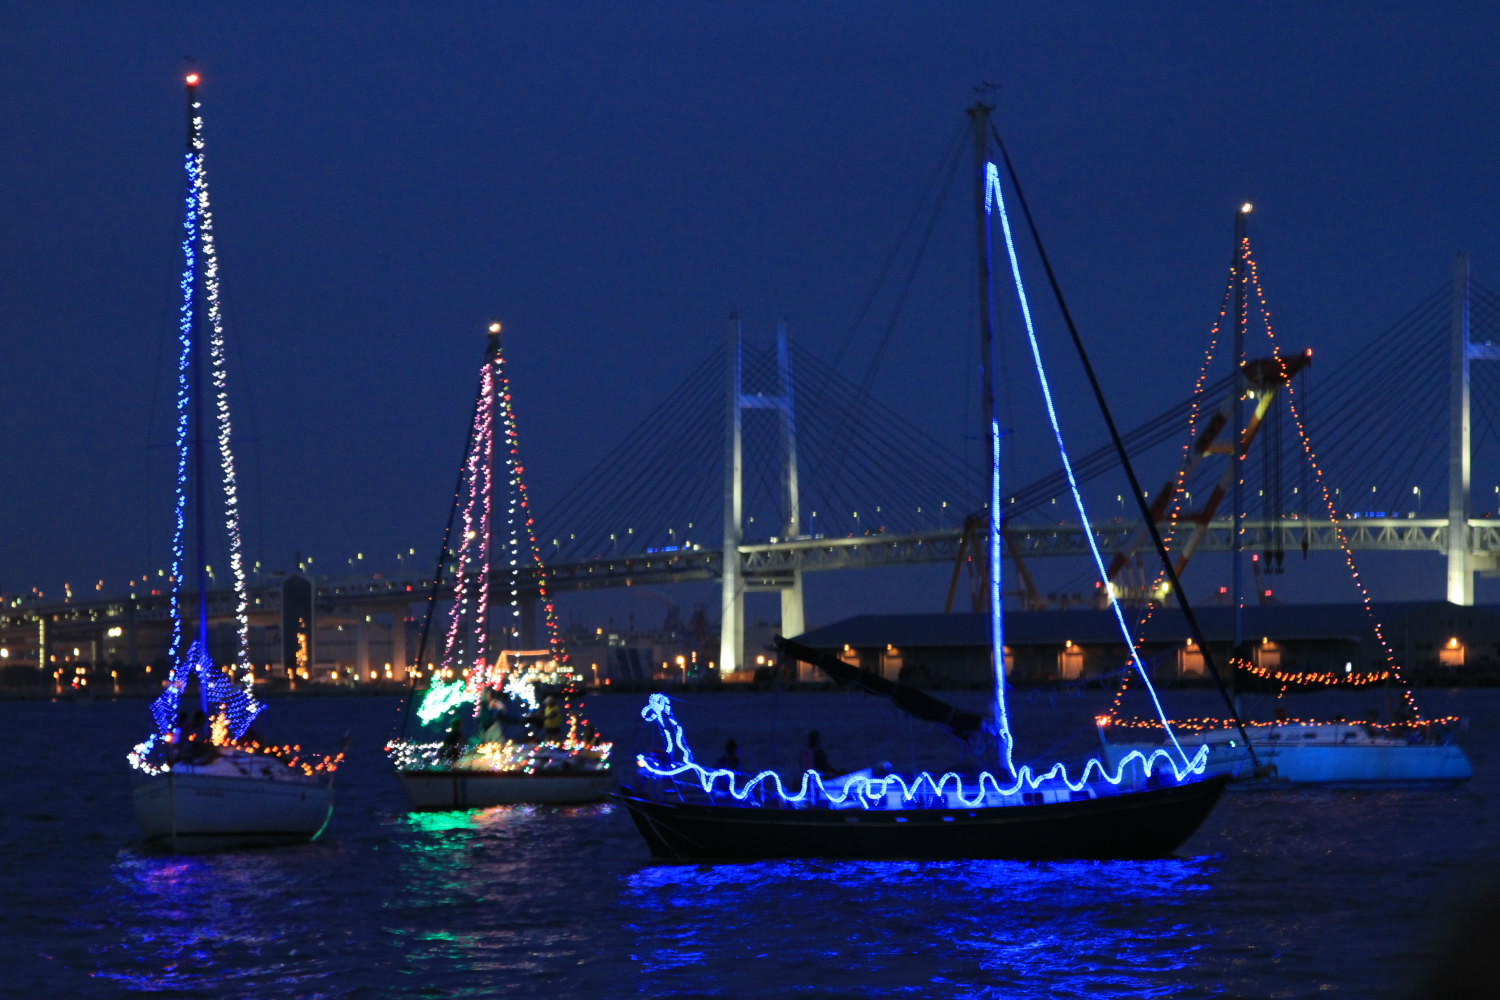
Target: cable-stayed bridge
[794,468]
[1400,453]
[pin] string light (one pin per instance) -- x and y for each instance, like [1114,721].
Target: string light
[1244,270]
[1207,723]
[466,656]
[228,702]
[993,195]
[894,792]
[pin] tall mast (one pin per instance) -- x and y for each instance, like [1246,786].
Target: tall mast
[195,374]
[980,113]
[496,419]
[1241,320]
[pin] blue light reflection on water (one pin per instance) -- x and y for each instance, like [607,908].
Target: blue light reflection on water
[1284,894]
[960,929]
[453,904]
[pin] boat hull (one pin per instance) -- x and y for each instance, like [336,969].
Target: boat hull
[185,812]
[1325,755]
[1145,824]
[459,789]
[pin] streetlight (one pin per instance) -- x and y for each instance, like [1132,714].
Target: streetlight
[1417,492]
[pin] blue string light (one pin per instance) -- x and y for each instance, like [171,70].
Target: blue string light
[870,791]
[994,196]
[219,695]
[876,791]
[997,620]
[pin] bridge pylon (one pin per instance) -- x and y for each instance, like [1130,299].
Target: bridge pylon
[1463,562]
[788,583]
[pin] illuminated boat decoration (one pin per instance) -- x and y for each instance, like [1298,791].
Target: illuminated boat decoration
[494,724]
[204,781]
[1407,748]
[1145,806]
[685,810]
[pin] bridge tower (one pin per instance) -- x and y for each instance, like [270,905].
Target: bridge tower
[793,621]
[1462,562]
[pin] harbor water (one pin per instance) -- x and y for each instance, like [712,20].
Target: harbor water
[1373,893]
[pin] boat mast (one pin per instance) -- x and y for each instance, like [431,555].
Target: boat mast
[496,420]
[1241,320]
[195,374]
[980,114]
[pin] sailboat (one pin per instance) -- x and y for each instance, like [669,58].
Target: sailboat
[1144,807]
[495,723]
[203,779]
[1405,748]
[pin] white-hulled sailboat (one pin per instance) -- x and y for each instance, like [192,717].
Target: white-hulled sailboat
[203,780]
[1400,746]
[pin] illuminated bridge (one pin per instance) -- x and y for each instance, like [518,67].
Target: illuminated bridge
[776,457]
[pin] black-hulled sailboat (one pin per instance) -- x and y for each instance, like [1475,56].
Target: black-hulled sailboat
[204,780]
[1144,807]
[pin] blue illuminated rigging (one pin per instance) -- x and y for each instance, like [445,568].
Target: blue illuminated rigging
[219,693]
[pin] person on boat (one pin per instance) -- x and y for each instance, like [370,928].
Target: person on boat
[552,717]
[729,760]
[814,758]
[453,743]
[501,720]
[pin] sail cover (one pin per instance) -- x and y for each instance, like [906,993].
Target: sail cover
[910,700]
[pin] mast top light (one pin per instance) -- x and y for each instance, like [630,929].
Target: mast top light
[494,328]
[1246,208]
[192,79]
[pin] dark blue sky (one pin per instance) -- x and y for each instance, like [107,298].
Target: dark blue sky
[612,180]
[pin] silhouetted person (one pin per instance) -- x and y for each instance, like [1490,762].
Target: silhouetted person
[453,743]
[813,758]
[729,760]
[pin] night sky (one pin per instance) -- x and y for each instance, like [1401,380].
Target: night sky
[613,179]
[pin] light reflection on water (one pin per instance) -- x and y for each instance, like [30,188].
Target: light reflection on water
[1288,895]
[970,929]
[450,904]
[213,926]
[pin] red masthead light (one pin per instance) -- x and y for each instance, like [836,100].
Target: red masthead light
[192,79]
